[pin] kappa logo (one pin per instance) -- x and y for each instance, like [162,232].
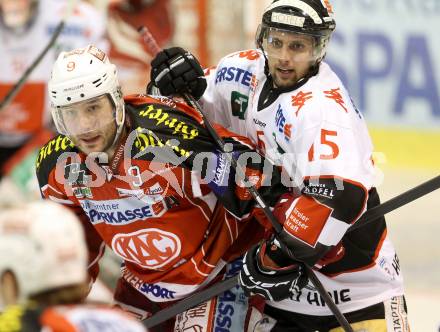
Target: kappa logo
[150,248]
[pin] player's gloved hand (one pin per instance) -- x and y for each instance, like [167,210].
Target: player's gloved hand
[298,238]
[262,275]
[175,70]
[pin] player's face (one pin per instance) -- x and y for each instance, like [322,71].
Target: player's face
[15,13]
[290,56]
[91,124]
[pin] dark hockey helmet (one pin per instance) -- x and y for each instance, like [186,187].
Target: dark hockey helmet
[308,17]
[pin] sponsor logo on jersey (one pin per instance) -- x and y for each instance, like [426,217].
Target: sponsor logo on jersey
[280,123]
[70,30]
[163,118]
[140,194]
[234,74]
[146,288]
[231,305]
[150,140]
[81,192]
[118,212]
[259,123]
[60,143]
[221,170]
[396,309]
[151,248]
[320,189]
[313,298]
[239,104]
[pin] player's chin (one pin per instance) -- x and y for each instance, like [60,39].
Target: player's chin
[285,82]
[89,146]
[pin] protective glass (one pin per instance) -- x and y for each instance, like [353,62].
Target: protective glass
[85,116]
[293,46]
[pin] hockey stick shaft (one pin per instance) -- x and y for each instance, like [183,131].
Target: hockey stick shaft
[154,49]
[397,202]
[368,217]
[17,86]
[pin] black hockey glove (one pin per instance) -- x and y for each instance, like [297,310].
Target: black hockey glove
[175,71]
[261,275]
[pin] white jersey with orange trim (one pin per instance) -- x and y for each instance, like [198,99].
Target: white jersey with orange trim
[314,131]
[68,318]
[28,112]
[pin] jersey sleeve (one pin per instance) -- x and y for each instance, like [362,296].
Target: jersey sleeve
[330,156]
[51,188]
[229,86]
[178,136]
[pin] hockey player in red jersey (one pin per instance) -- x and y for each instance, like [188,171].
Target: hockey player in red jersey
[43,274]
[290,103]
[146,179]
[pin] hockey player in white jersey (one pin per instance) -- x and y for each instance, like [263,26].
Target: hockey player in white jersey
[285,98]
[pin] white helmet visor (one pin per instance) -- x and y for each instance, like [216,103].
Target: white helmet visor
[85,116]
[293,46]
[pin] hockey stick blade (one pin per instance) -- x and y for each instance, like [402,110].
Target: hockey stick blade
[17,86]
[369,216]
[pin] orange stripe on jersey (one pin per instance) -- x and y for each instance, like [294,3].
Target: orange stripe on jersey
[56,321]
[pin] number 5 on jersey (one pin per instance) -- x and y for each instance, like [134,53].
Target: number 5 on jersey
[327,138]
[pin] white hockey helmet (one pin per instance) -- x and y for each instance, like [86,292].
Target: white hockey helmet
[81,75]
[43,245]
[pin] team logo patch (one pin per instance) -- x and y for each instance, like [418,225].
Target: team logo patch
[150,248]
